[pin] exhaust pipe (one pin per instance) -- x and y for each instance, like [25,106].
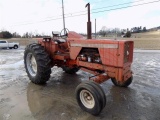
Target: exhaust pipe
[89,28]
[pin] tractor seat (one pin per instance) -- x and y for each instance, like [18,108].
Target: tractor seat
[59,41]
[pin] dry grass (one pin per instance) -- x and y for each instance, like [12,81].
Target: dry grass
[146,43]
[148,40]
[154,34]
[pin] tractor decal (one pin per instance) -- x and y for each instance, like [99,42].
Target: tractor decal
[95,45]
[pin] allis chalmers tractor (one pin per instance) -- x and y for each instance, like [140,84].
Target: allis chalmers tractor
[105,59]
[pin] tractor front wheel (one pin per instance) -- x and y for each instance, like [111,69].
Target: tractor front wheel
[90,97]
[37,64]
[122,84]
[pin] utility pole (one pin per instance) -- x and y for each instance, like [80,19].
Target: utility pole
[63,17]
[95,29]
[115,33]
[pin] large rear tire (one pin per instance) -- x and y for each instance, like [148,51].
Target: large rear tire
[90,98]
[37,64]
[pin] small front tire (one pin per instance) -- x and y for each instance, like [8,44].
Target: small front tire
[89,98]
[100,91]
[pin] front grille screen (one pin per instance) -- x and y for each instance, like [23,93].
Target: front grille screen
[126,52]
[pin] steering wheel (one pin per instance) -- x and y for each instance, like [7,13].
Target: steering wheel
[64,33]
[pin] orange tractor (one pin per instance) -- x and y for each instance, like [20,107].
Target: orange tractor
[105,59]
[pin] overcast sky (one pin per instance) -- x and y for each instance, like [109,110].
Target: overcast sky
[44,16]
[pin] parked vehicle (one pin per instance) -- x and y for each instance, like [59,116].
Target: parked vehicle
[5,44]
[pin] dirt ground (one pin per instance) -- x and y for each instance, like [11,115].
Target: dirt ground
[22,100]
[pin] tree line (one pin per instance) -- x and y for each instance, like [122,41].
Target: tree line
[106,32]
[7,34]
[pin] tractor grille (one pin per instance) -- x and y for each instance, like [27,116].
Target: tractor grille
[126,52]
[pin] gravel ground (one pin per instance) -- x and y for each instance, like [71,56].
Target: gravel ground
[22,100]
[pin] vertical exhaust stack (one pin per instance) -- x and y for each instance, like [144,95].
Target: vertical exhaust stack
[89,28]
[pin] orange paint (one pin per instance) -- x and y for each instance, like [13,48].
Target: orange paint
[116,55]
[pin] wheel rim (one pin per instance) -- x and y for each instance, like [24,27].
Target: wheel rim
[87,99]
[31,65]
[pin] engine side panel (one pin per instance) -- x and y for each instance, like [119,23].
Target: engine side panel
[107,49]
[74,52]
[108,56]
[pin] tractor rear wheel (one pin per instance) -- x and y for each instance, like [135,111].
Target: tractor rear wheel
[122,84]
[37,63]
[70,70]
[90,98]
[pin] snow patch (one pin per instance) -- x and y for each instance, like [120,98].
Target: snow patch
[2,61]
[13,65]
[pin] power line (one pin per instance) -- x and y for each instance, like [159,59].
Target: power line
[109,6]
[118,8]
[92,12]
[68,14]
[98,1]
[118,4]
[128,6]
[100,7]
